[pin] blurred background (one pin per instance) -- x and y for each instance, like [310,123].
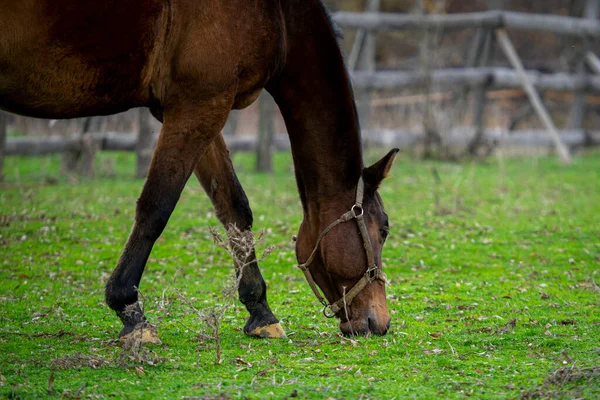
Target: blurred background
[433,77]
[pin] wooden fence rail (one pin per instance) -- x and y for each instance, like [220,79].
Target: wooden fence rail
[493,77]
[380,21]
[460,137]
[113,141]
[36,146]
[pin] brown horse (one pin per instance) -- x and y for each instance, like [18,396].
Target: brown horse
[191,62]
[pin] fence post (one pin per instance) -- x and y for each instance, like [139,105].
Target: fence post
[367,62]
[480,98]
[432,139]
[471,56]
[81,160]
[577,115]
[592,7]
[483,59]
[89,147]
[264,147]
[366,59]
[3,123]
[144,146]
[70,158]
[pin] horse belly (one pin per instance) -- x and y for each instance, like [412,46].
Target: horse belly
[72,58]
[72,91]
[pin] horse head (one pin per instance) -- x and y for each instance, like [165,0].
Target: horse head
[339,249]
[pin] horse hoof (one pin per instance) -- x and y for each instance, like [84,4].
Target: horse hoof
[269,332]
[143,332]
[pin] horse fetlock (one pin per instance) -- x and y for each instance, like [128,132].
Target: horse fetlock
[131,315]
[250,298]
[118,295]
[252,295]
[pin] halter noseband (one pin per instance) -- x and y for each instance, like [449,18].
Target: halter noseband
[371,274]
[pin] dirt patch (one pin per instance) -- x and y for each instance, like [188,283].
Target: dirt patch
[564,382]
[507,328]
[78,360]
[572,374]
[221,396]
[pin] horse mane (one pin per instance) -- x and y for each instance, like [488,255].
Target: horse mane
[337,30]
[339,35]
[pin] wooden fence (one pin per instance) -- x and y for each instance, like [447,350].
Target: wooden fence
[490,29]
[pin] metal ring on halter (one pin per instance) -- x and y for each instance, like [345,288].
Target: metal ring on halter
[355,207]
[371,273]
[328,312]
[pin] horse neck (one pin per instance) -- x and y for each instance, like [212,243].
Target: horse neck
[314,95]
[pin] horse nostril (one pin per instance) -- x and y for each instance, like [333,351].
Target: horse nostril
[377,329]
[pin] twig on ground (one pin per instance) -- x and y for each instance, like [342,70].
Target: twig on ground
[241,246]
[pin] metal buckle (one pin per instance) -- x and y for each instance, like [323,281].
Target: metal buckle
[357,207]
[328,312]
[371,273]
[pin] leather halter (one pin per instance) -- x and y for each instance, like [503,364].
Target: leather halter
[371,274]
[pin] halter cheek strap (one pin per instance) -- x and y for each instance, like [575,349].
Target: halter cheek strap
[371,274]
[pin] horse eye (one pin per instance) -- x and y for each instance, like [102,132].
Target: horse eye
[384,233]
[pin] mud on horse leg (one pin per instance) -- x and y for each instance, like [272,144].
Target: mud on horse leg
[217,176]
[186,131]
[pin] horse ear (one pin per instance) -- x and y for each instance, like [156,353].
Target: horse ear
[374,174]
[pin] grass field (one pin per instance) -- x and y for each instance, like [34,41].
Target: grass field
[493,267]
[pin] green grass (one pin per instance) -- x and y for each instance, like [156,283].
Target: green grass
[515,239]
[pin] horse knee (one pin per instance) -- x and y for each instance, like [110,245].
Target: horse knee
[242,209]
[151,219]
[233,209]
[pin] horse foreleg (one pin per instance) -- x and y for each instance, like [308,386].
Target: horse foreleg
[184,134]
[217,176]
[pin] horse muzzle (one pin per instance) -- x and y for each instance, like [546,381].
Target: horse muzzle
[371,324]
